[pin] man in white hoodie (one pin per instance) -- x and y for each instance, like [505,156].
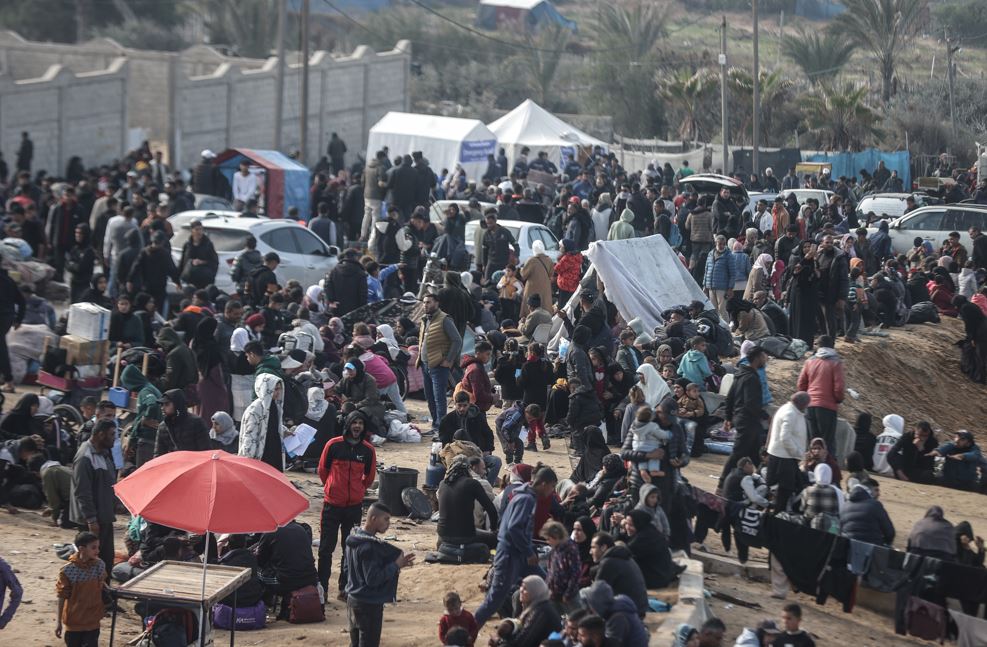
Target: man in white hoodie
[786,447]
[894,427]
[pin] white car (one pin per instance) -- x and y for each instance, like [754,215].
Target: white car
[934,223]
[437,212]
[887,205]
[525,233]
[304,256]
[755,197]
[802,195]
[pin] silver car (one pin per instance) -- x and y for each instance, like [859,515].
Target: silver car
[304,256]
[934,223]
[525,233]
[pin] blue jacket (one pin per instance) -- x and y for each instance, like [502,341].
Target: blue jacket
[695,367]
[375,286]
[964,470]
[741,265]
[372,568]
[517,527]
[719,271]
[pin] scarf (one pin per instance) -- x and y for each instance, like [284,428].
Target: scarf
[317,405]
[654,386]
[227,432]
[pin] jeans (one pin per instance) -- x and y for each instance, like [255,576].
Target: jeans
[6,321]
[365,623]
[371,213]
[336,523]
[436,381]
[508,569]
[394,393]
[493,464]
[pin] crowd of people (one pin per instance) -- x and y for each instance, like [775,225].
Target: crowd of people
[574,555]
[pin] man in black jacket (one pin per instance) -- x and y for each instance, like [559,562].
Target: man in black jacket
[346,284]
[616,566]
[262,278]
[467,422]
[288,550]
[152,269]
[180,430]
[726,215]
[402,183]
[834,284]
[744,408]
[979,251]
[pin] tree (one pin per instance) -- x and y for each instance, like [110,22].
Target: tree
[249,26]
[818,56]
[884,28]
[542,60]
[839,117]
[631,32]
[688,94]
[776,96]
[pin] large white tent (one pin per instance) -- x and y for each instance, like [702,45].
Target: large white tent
[444,141]
[531,125]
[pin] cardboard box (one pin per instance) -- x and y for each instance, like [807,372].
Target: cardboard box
[83,352]
[89,321]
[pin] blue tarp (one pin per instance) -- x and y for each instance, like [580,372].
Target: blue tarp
[286,184]
[849,164]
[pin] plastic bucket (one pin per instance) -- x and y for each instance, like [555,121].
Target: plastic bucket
[391,481]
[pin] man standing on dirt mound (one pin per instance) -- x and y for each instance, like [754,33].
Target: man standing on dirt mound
[823,378]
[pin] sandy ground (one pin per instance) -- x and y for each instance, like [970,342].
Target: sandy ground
[915,373]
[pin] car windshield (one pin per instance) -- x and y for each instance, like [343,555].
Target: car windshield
[224,240]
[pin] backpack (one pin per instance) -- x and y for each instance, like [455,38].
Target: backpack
[170,627]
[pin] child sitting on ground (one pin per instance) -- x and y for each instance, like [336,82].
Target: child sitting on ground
[79,589]
[670,373]
[648,436]
[457,616]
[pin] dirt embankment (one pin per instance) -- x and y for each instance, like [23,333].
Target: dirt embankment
[915,373]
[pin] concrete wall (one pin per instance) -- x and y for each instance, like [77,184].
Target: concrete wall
[66,114]
[200,98]
[234,106]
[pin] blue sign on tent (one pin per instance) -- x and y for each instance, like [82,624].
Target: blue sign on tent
[477,151]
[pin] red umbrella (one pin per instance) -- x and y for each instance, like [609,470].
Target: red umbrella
[211,491]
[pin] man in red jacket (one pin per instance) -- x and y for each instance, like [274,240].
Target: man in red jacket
[347,468]
[475,380]
[823,379]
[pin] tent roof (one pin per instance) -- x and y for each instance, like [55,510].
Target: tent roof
[432,126]
[269,160]
[532,125]
[514,4]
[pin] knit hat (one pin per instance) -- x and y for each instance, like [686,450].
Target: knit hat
[255,320]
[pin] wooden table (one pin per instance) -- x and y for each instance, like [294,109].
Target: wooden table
[179,584]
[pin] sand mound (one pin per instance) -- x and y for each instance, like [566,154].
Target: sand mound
[915,373]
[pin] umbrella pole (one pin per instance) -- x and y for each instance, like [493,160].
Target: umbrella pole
[202,602]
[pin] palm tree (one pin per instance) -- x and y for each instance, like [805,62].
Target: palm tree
[248,25]
[633,32]
[840,117]
[542,62]
[776,90]
[819,56]
[688,93]
[884,28]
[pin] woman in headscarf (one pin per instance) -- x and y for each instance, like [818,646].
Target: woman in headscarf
[406,332]
[803,293]
[655,388]
[583,530]
[821,501]
[537,274]
[321,415]
[759,279]
[649,500]
[97,293]
[777,279]
[337,332]
[262,429]
[747,319]
[933,536]
[601,214]
[387,342]
[223,433]
[213,394]
[360,388]
[19,421]
[819,454]
[539,617]
[649,548]
[619,383]
[591,462]
[80,261]
[313,303]
[145,309]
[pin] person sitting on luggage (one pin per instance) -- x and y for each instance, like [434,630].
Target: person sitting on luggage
[287,554]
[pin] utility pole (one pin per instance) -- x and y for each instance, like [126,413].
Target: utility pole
[279,90]
[304,106]
[951,49]
[723,95]
[757,97]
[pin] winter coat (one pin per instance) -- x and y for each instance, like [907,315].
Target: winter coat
[93,477]
[568,271]
[864,518]
[199,275]
[623,625]
[623,228]
[694,366]
[244,265]
[789,433]
[362,391]
[255,419]
[477,383]
[181,432]
[719,270]
[650,550]
[347,468]
[152,270]
[823,378]
[726,217]
[618,569]
[474,429]
[180,369]
[537,274]
[372,570]
[347,286]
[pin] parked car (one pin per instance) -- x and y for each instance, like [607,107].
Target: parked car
[887,204]
[933,223]
[525,233]
[802,195]
[754,197]
[711,184]
[304,256]
[437,211]
[205,202]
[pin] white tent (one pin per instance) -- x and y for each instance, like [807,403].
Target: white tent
[443,141]
[531,125]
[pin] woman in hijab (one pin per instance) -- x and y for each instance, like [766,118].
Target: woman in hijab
[321,415]
[583,530]
[406,332]
[619,383]
[213,394]
[649,548]
[822,498]
[261,429]
[386,341]
[80,261]
[655,388]
[360,388]
[777,279]
[97,293]
[537,273]
[591,462]
[649,500]
[19,421]
[819,454]
[539,617]
[933,536]
[759,279]
[313,303]
[803,293]
[223,433]
[145,309]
